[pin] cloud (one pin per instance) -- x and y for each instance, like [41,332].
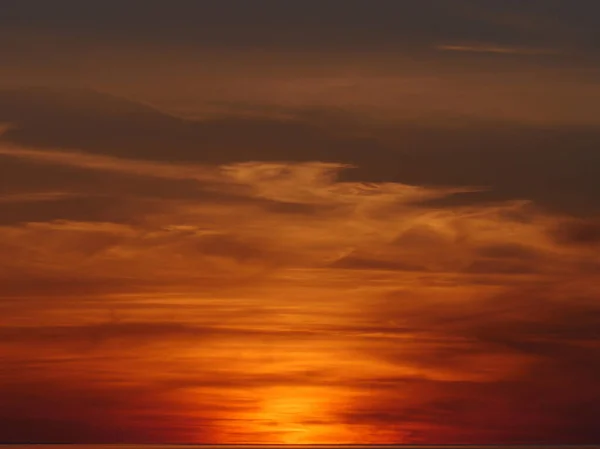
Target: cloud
[522,360]
[578,232]
[107,163]
[551,165]
[497,49]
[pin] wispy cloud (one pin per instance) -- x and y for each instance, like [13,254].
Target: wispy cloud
[108,163]
[496,49]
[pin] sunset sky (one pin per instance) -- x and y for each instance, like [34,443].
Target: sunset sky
[300,221]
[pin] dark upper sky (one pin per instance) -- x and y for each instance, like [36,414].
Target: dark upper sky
[314,25]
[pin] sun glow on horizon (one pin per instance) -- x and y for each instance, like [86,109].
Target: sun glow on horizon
[293,415]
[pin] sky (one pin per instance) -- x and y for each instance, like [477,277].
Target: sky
[337,221]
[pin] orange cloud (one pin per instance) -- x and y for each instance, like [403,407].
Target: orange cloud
[303,309]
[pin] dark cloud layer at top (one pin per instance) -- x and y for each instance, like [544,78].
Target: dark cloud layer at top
[351,24]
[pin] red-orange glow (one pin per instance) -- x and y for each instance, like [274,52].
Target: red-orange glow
[300,224]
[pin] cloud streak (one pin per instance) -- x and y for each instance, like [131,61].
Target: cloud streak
[497,49]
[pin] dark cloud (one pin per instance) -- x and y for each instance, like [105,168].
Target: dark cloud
[476,412]
[551,394]
[136,333]
[509,251]
[577,232]
[554,166]
[495,266]
[38,289]
[80,413]
[355,262]
[356,24]
[90,121]
[84,208]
